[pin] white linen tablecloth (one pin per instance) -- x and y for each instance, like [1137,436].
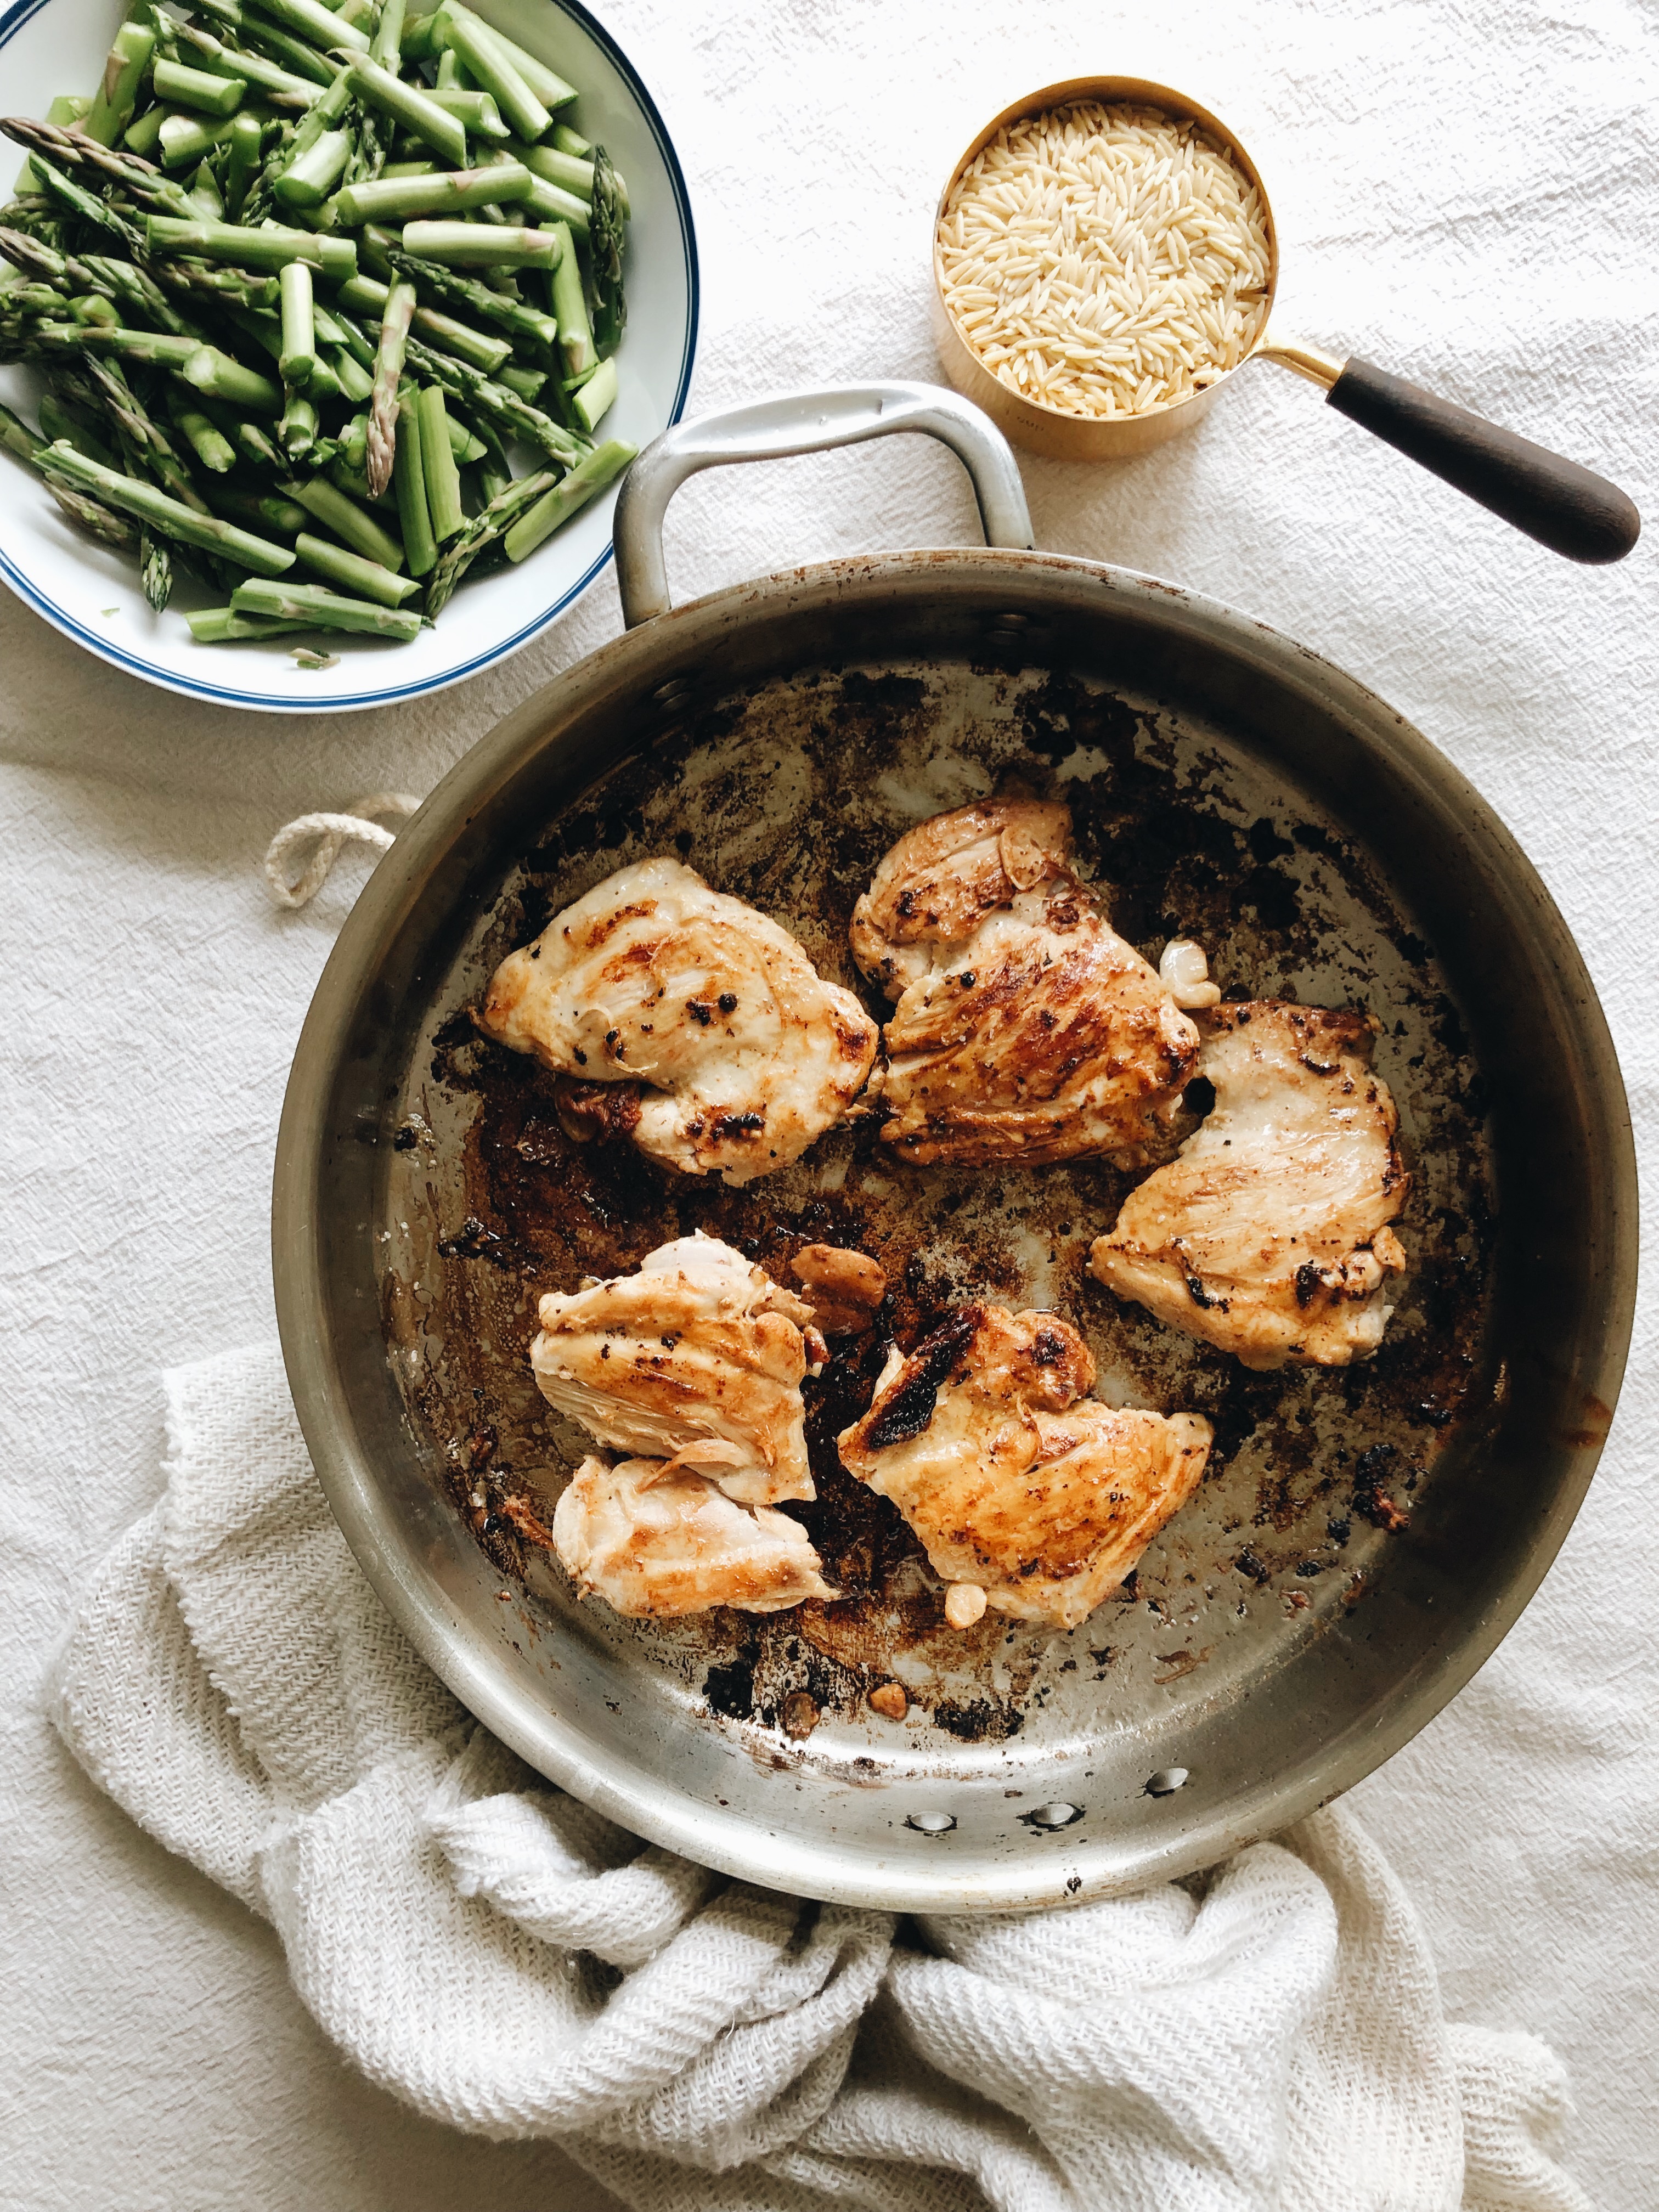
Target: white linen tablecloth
[1465,194]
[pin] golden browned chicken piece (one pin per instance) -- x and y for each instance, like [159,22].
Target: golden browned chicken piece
[697,1360]
[1026,1029]
[1267,1235]
[685,1020]
[651,1539]
[844,1289]
[1028,1495]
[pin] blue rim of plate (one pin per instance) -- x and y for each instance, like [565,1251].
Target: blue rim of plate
[11,22]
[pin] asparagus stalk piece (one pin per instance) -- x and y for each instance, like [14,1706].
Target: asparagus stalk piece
[549,86]
[485,529]
[142,136]
[567,140]
[491,67]
[385,47]
[285,516]
[474,110]
[298,429]
[395,199]
[280,86]
[135,497]
[124,73]
[307,180]
[576,346]
[419,544]
[325,609]
[295,54]
[388,368]
[348,521]
[478,299]
[478,245]
[224,626]
[526,382]
[266,248]
[570,173]
[187,138]
[298,359]
[221,378]
[242,163]
[319,26]
[512,416]
[602,465]
[351,573]
[157,348]
[104,384]
[470,346]
[207,441]
[183,86]
[607,308]
[408,104]
[330,110]
[552,203]
[442,478]
[596,396]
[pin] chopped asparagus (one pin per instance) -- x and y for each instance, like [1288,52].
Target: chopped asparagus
[267,247]
[505,504]
[408,104]
[309,20]
[395,199]
[207,441]
[347,520]
[419,544]
[326,610]
[510,414]
[479,245]
[298,359]
[224,626]
[221,378]
[443,482]
[197,88]
[491,67]
[478,299]
[307,180]
[596,397]
[388,368]
[124,73]
[367,579]
[576,346]
[172,515]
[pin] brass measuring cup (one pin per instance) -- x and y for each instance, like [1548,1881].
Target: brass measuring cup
[1565,507]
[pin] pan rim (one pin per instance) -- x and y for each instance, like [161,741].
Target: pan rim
[639,1801]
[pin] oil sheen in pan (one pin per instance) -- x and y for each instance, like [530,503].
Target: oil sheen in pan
[788,797]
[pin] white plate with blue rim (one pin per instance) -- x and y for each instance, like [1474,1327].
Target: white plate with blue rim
[92,594]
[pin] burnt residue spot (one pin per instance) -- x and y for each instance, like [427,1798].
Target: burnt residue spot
[406,1138]
[978,1719]
[730,1690]
[738,1124]
[1307,1568]
[1378,1465]
[1203,1298]
[1248,1564]
[1310,1280]
[910,1408]
[471,1241]
[1048,1348]
[727,1002]
[700,1011]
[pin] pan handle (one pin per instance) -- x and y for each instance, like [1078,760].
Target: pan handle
[805,422]
[1569,508]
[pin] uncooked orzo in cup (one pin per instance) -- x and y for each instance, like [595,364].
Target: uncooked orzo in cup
[1105,261]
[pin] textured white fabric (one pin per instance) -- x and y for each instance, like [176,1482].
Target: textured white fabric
[511,1963]
[1465,193]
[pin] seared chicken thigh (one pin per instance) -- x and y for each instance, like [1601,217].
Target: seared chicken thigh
[1026,1029]
[655,1540]
[686,1020]
[697,1358]
[1018,1484]
[1267,1236]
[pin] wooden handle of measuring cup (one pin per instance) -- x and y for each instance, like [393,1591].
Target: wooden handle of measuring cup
[1569,508]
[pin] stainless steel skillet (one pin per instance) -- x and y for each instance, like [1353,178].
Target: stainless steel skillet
[1369,1535]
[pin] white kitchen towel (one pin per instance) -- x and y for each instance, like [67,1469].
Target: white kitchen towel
[511,1963]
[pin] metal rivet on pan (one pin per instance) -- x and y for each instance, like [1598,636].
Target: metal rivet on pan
[1166,1781]
[1058,1815]
[674,692]
[931,1823]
